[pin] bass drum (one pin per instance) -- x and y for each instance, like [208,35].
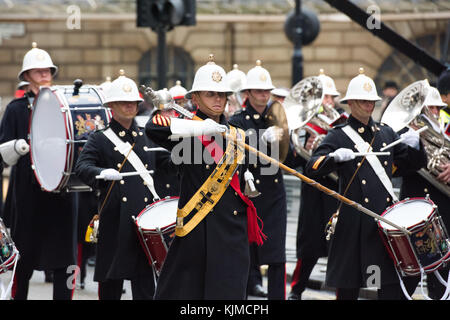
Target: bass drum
[61,120]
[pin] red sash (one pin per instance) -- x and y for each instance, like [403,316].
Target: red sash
[254,232]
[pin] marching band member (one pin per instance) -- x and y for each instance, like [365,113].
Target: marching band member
[209,256]
[443,86]
[279,94]
[414,185]
[178,93]
[44,223]
[271,204]
[356,243]
[316,208]
[119,254]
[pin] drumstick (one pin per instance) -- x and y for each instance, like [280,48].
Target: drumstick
[363,154]
[128,174]
[302,177]
[401,139]
[155,149]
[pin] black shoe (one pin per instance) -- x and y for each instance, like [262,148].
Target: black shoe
[48,276]
[294,296]
[258,291]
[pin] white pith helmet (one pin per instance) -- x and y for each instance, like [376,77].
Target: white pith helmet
[177,91]
[122,89]
[433,98]
[280,92]
[236,79]
[361,87]
[328,84]
[258,78]
[106,85]
[37,59]
[210,77]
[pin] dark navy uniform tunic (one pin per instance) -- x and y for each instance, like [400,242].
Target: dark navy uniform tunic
[212,261]
[356,243]
[119,252]
[43,224]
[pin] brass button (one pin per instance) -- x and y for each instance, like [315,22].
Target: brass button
[256,116]
[141,133]
[207,166]
[388,199]
[124,199]
[167,186]
[118,165]
[257,181]
[235,212]
[122,133]
[425,190]
[385,163]
[247,117]
[384,144]
[363,181]
[122,181]
[366,200]
[276,180]
[361,130]
[145,199]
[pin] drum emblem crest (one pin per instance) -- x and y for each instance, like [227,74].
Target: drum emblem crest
[88,124]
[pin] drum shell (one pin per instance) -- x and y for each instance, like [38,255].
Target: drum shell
[156,241]
[425,248]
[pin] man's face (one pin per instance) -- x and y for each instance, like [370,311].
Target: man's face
[446,98]
[390,92]
[210,103]
[328,100]
[258,97]
[124,110]
[39,77]
[361,109]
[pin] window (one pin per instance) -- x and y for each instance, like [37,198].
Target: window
[180,66]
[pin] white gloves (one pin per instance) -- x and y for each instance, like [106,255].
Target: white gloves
[272,134]
[342,155]
[111,174]
[12,150]
[411,138]
[192,128]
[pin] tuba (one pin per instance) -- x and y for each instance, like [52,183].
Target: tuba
[406,110]
[307,113]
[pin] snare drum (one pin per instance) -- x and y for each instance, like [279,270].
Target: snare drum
[60,125]
[156,226]
[427,247]
[8,251]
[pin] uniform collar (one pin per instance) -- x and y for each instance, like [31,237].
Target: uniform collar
[122,132]
[362,128]
[203,116]
[253,114]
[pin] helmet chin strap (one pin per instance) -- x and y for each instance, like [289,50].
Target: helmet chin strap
[202,106]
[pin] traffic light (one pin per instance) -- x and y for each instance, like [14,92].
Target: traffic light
[166,14]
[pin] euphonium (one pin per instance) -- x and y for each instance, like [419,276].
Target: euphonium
[407,109]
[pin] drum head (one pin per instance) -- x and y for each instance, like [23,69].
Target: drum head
[408,213]
[159,214]
[48,135]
